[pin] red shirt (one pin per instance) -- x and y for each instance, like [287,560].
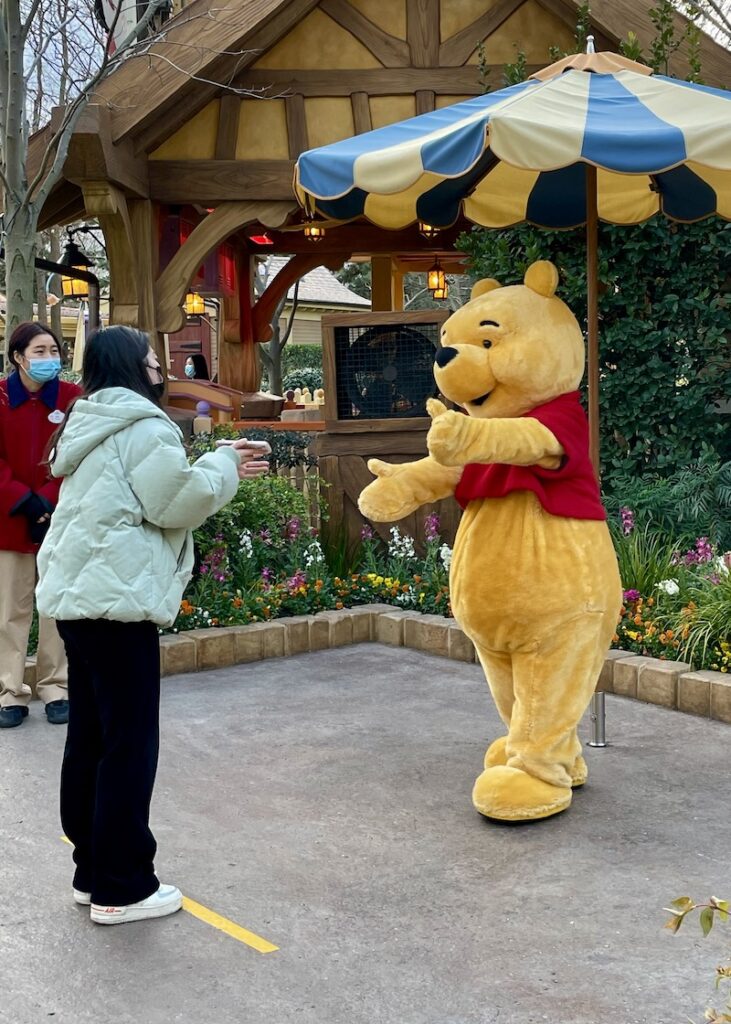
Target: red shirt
[25,430]
[571,490]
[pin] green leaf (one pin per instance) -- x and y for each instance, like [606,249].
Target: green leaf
[682,903]
[706,920]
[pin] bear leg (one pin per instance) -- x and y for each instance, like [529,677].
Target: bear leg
[552,684]
[496,754]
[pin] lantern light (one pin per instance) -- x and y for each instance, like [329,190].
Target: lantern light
[194,304]
[74,258]
[261,239]
[428,230]
[435,280]
[314,232]
[441,293]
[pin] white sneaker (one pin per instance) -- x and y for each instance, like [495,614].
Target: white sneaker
[167,900]
[82,898]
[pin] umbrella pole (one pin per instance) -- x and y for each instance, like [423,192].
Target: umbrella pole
[592,312]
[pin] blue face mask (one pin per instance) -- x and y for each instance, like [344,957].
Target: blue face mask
[43,370]
[189,371]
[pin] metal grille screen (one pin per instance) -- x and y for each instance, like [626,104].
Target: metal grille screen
[385,371]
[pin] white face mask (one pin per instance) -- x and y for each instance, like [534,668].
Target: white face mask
[189,371]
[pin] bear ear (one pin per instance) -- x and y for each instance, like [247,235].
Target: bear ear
[488,284]
[542,277]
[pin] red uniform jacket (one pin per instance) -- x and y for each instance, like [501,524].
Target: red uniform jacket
[571,490]
[25,429]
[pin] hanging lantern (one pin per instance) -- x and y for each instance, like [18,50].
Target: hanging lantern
[441,293]
[194,304]
[314,232]
[435,279]
[74,258]
[428,230]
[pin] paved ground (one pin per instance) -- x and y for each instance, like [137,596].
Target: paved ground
[323,803]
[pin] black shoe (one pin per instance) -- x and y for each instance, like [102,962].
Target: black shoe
[57,712]
[12,716]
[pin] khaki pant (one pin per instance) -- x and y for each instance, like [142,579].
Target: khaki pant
[17,583]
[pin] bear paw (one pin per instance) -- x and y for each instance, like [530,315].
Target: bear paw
[508,794]
[495,755]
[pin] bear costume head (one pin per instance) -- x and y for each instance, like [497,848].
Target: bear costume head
[511,349]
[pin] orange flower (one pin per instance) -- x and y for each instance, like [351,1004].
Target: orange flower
[638,620]
[615,639]
[650,602]
[237,602]
[669,634]
[338,605]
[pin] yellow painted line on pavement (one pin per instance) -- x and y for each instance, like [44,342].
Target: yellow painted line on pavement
[229,927]
[223,924]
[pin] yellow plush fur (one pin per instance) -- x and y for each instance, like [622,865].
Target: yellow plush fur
[538,594]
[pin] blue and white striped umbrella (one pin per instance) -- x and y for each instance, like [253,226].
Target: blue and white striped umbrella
[520,154]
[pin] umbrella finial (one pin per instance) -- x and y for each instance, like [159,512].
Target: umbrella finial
[590,44]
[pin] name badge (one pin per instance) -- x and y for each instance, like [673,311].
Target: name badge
[56,416]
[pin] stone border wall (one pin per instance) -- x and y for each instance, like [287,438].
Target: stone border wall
[669,684]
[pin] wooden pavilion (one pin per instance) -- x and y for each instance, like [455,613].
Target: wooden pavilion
[184,174]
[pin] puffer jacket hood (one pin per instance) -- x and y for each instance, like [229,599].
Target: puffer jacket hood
[120,545]
[98,417]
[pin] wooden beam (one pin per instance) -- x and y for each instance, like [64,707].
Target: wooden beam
[360,103]
[148,95]
[422,21]
[217,181]
[455,51]
[296,125]
[216,228]
[228,127]
[567,14]
[362,239]
[389,50]
[449,81]
[264,308]
[424,101]
[64,205]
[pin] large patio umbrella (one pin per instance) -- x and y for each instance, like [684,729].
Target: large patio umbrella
[593,136]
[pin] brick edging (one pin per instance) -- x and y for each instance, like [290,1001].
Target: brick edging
[669,684]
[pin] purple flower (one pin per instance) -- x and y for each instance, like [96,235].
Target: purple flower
[631,595]
[267,575]
[628,519]
[431,527]
[293,528]
[265,536]
[295,582]
[204,570]
[367,533]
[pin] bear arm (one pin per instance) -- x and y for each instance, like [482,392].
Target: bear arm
[406,488]
[515,442]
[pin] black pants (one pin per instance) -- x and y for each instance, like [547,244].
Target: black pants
[110,759]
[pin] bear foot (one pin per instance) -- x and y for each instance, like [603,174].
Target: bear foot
[509,794]
[495,755]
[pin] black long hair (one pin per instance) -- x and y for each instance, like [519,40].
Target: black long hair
[114,357]
[21,338]
[200,366]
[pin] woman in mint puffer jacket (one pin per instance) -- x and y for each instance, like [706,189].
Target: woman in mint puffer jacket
[112,569]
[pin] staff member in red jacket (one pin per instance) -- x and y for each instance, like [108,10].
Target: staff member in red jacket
[32,404]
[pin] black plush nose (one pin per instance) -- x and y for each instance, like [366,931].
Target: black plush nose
[446,355]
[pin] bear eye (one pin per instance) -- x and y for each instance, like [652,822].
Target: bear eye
[489,323]
[487,344]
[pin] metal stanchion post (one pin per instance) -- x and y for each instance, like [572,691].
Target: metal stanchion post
[598,721]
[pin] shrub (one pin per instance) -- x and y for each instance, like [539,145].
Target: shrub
[305,377]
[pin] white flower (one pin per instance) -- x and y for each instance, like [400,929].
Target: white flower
[722,564]
[445,553]
[314,554]
[246,545]
[401,546]
[669,587]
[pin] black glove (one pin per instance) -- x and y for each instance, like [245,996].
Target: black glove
[34,508]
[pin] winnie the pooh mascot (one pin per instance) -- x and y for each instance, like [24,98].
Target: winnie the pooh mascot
[534,579]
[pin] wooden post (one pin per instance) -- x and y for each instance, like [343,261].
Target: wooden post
[592,313]
[381,284]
